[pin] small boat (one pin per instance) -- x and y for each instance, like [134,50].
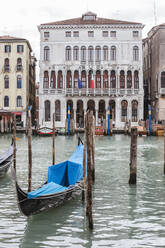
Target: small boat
[46,131]
[64,182]
[99,130]
[5,160]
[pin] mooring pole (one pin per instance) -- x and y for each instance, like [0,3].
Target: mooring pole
[53,141]
[89,120]
[164,148]
[68,120]
[29,149]
[133,156]
[108,114]
[149,119]
[14,141]
[92,151]
[84,169]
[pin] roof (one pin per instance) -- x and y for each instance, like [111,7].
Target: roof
[8,38]
[97,21]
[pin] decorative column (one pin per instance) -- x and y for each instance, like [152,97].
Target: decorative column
[118,112]
[49,75]
[101,82]
[72,82]
[56,74]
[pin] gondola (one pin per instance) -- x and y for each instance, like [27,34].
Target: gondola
[5,160]
[64,182]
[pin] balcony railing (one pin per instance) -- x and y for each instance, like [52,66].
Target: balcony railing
[91,92]
[6,68]
[19,67]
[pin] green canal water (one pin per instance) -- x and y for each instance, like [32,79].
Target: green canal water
[124,216]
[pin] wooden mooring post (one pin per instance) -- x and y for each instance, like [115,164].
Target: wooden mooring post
[133,156]
[14,141]
[84,170]
[89,133]
[53,141]
[29,151]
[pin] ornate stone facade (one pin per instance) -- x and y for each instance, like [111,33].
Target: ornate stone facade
[75,51]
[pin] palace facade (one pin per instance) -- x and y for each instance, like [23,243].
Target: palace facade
[74,51]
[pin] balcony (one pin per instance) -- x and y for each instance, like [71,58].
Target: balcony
[19,68]
[6,68]
[91,92]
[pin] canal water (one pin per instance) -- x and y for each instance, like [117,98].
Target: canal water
[124,216]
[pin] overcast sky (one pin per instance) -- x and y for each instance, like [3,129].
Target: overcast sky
[20,18]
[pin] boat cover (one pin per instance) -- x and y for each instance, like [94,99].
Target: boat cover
[6,154]
[63,175]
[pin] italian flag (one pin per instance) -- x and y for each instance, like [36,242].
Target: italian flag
[92,81]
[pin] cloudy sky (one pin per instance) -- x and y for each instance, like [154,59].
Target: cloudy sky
[20,18]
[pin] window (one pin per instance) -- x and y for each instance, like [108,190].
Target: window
[46,34]
[163,79]
[19,64]
[19,101]
[76,53]
[105,33]
[136,80]
[122,80]
[53,80]
[98,53]
[129,79]
[67,34]
[124,105]
[105,79]
[47,110]
[135,53]
[6,82]
[105,53]
[60,80]
[7,48]
[6,65]
[90,54]
[113,33]
[83,54]
[90,34]
[46,80]
[19,82]
[113,79]
[68,53]
[113,53]
[89,17]
[75,34]
[134,110]
[57,110]
[135,34]
[46,53]
[6,101]
[20,48]
[69,79]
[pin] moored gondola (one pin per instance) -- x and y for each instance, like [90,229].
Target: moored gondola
[5,160]
[64,182]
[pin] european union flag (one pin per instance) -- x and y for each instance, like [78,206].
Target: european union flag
[79,83]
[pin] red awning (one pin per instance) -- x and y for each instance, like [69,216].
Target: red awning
[17,113]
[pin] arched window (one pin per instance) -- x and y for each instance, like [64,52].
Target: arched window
[19,64]
[98,53]
[105,79]
[113,53]
[163,79]
[19,82]
[105,53]
[129,79]
[124,106]
[19,101]
[122,80]
[6,101]
[68,53]
[46,80]
[69,79]
[135,53]
[46,53]
[98,79]
[90,53]
[76,76]
[60,80]
[6,65]
[57,110]
[134,111]
[83,79]
[83,53]
[6,82]
[53,80]
[47,110]
[113,79]
[136,80]
[76,53]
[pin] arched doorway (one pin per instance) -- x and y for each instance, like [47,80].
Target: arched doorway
[70,103]
[102,112]
[80,114]
[47,110]
[134,111]
[112,110]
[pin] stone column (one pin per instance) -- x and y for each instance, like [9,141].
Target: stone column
[118,112]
